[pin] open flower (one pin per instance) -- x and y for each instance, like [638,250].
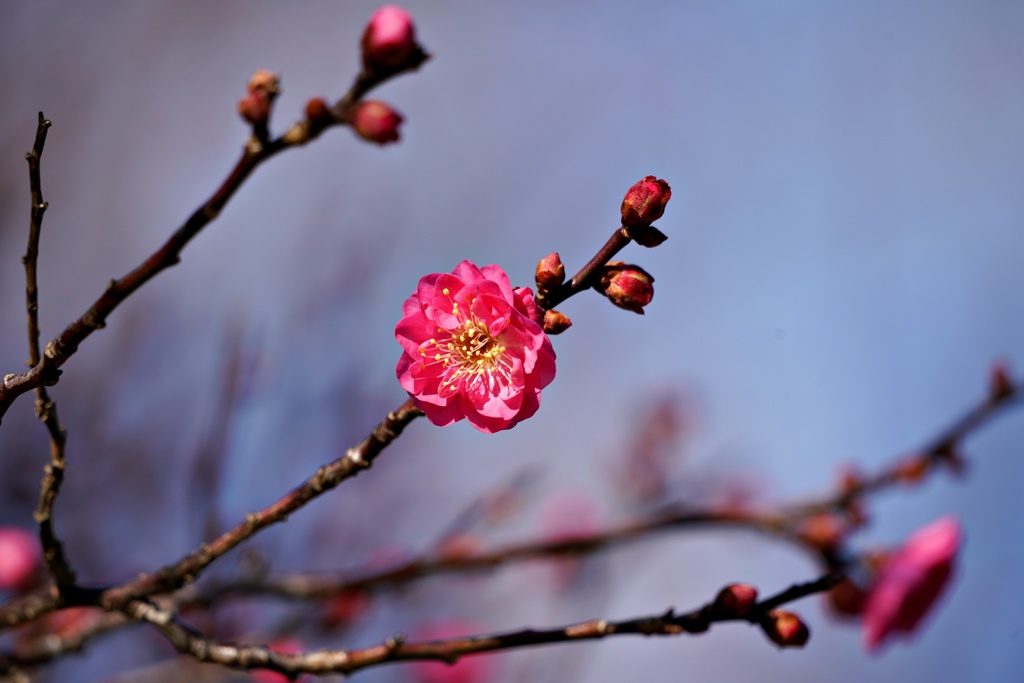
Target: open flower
[473,349]
[911,581]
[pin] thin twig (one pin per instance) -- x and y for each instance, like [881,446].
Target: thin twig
[586,275]
[46,409]
[780,521]
[46,371]
[941,451]
[184,571]
[306,586]
[450,650]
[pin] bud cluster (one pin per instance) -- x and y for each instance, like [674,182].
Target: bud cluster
[255,107]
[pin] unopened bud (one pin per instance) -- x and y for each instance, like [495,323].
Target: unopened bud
[645,202]
[845,599]
[318,112]
[550,272]
[264,81]
[912,470]
[555,322]
[389,40]
[376,122]
[735,600]
[261,90]
[850,480]
[823,531]
[627,286]
[255,108]
[785,629]
[1000,384]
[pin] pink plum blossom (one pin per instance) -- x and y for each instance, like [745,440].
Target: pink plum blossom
[911,581]
[20,559]
[473,349]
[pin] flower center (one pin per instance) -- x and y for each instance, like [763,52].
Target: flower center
[468,353]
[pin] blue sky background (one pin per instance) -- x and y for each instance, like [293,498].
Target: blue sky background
[844,265]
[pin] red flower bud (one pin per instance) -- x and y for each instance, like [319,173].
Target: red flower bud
[1000,384]
[785,629]
[627,286]
[555,322]
[264,81]
[846,599]
[389,40]
[550,272]
[824,531]
[255,108]
[261,90]
[912,469]
[645,202]
[376,122]
[318,112]
[735,600]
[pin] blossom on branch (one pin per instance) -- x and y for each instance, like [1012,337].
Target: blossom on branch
[645,202]
[911,581]
[473,349]
[389,39]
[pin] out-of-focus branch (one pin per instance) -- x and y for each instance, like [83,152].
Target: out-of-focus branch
[942,451]
[46,371]
[46,409]
[61,641]
[190,643]
[323,585]
[184,571]
[781,521]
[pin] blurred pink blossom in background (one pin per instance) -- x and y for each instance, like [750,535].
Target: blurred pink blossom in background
[911,581]
[20,559]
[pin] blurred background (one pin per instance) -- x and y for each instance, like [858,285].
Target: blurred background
[844,266]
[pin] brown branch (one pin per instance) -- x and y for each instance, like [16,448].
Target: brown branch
[46,409]
[780,522]
[53,643]
[942,450]
[184,571]
[35,227]
[586,275]
[189,642]
[46,371]
[305,586]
